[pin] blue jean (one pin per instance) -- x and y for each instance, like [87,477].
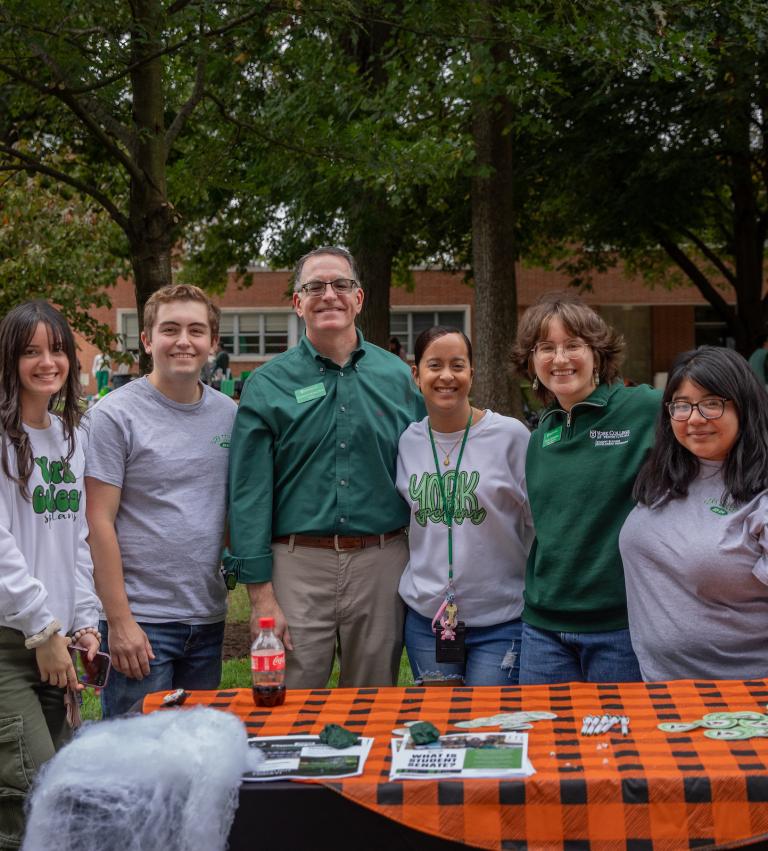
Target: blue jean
[567,657]
[493,652]
[186,656]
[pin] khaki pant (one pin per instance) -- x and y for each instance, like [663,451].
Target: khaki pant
[33,727]
[345,600]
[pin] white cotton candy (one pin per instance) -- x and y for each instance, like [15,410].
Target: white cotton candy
[161,782]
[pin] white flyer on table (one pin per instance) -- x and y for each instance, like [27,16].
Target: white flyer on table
[462,755]
[302,757]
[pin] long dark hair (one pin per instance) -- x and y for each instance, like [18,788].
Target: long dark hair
[670,468]
[16,330]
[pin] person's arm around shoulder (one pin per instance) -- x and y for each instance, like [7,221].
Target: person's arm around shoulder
[128,644]
[756,526]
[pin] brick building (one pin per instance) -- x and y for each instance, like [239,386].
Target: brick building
[258,320]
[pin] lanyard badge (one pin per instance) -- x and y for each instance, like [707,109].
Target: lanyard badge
[446,624]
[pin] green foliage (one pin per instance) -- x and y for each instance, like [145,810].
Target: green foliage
[659,153]
[238,605]
[57,246]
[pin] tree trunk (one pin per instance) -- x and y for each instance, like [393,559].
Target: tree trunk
[153,223]
[747,241]
[371,241]
[494,254]
[373,230]
[374,261]
[151,262]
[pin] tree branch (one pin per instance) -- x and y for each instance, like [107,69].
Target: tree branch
[178,6]
[699,279]
[74,105]
[182,116]
[32,164]
[174,48]
[252,128]
[711,256]
[63,92]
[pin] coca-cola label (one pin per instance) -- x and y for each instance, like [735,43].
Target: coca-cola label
[268,663]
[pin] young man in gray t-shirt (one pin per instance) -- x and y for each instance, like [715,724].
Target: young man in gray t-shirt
[156,480]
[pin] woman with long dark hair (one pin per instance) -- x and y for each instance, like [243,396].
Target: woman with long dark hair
[46,583]
[695,548]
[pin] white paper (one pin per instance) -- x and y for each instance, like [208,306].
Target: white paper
[303,757]
[462,755]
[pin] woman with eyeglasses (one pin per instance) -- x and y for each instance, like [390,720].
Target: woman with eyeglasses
[582,460]
[695,548]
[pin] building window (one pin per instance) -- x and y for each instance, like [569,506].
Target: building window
[407,325]
[128,330]
[710,330]
[245,334]
[257,334]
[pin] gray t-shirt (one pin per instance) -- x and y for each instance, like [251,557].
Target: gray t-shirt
[696,575]
[171,462]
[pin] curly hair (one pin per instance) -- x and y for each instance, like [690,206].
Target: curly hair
[16,330]
[581,321]
[670,468]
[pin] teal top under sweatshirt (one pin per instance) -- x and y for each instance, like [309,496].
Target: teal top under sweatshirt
[580,469]
[314,450]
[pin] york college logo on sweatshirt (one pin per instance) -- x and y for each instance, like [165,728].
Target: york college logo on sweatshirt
[610,437]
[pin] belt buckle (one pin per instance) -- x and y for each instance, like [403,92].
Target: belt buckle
[359,546]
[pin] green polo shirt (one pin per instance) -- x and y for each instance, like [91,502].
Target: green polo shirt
[314,450]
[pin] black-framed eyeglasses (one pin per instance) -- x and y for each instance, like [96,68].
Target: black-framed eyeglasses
[341,286]
[711,409]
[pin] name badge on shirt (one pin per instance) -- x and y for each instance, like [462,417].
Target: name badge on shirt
[307,394]
[552,436]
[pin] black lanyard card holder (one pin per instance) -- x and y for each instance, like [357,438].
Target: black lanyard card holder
[451,652]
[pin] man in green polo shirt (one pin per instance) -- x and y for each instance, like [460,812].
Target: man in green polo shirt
[316,525]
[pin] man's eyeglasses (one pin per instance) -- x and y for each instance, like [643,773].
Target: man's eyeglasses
[545,351]
[710,409]
[341,286]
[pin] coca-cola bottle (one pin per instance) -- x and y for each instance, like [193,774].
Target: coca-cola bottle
[268,666]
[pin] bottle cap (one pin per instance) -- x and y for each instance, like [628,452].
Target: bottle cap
[266,623]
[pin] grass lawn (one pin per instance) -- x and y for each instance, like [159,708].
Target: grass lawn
[236,673]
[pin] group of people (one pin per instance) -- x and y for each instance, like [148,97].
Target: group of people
[366,503]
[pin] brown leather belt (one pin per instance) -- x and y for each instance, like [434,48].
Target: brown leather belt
[338,542]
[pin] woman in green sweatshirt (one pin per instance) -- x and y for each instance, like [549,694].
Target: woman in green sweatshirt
[581,465]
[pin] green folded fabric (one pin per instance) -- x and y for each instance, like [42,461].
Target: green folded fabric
[338,737]
[424,733]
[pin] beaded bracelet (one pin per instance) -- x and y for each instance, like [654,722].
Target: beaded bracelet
[78,634]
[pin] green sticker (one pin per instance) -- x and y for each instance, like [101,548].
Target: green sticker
[552,436]
[306,394]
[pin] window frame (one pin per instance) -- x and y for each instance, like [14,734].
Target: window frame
[434,309]
[294,332]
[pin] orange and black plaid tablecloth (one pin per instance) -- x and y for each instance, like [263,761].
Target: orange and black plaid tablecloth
[647,790]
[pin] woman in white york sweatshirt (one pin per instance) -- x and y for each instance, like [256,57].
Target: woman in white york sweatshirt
[47,596]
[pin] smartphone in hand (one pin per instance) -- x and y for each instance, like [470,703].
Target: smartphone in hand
[92,673]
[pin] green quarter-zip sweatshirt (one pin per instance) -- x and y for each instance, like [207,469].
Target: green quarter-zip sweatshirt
[580,469]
